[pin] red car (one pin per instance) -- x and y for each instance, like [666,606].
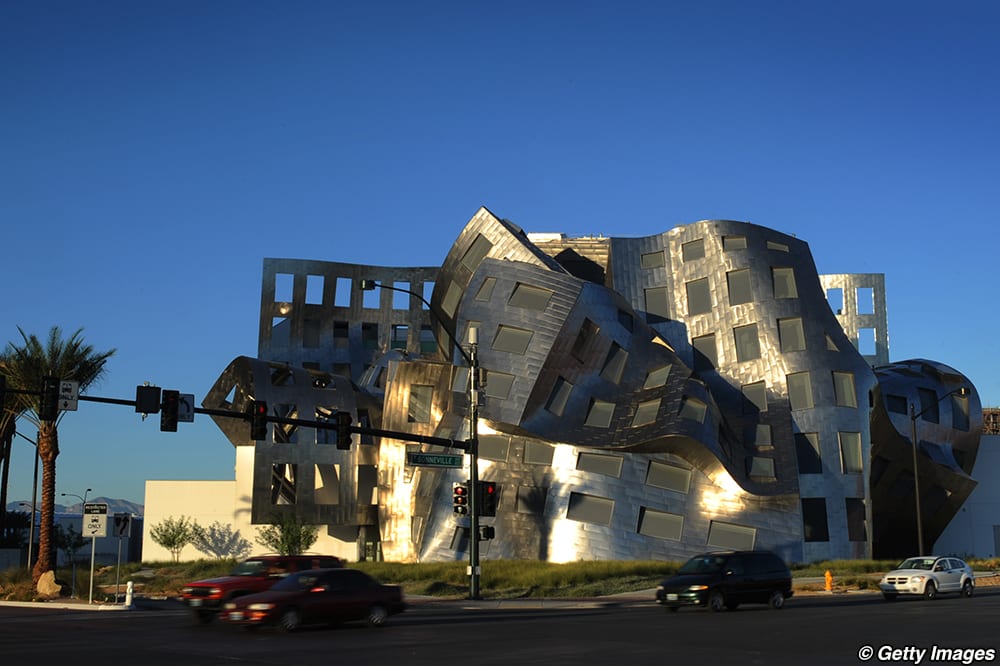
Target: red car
[256,574]
[320,596]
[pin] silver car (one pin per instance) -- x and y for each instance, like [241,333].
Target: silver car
[928,576]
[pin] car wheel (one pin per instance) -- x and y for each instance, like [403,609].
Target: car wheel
[930,590]
[776,600]
[291,620]
[968,588]
[716,601]
[377,615]
[889,596]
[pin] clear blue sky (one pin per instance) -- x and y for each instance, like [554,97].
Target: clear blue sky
[153,153]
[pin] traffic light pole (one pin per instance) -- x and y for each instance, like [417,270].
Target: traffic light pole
[473,464]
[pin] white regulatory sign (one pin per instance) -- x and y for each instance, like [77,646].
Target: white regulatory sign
[69,393]
[95,520]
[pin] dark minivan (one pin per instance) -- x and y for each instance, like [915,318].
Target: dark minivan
[726,580]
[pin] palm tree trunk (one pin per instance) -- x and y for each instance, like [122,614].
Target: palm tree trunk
[48,449]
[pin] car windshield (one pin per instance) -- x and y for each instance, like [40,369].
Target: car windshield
[249,568]
[917,563]
[702,564]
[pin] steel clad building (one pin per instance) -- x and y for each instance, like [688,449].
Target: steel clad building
[643,398]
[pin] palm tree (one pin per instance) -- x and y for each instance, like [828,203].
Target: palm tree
[25,366]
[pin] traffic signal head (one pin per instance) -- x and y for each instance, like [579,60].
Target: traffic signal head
[486,503]
[344,430]
[258,420]
[168,410]
[147,399]
[48,405]
[460,498]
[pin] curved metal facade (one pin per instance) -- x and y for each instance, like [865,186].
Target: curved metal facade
[644,398]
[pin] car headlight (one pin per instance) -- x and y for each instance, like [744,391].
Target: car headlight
[697,588]
[215,591]
[229,606]
[260,607]
[187,590]
[659,588]
[918,579]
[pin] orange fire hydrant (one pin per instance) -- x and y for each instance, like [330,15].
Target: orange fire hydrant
[829,580]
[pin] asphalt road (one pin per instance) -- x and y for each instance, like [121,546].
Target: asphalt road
[822,629]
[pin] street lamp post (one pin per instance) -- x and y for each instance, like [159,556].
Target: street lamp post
[34,494]
[31,528]
[472,359]
[914,415]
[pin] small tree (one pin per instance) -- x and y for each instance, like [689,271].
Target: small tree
[69,541]
[173,534]
[287,535]
[220,541]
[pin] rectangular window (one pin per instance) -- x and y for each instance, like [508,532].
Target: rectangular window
[476,253]
[693,250]
[536,453]
[800,394]
[747,342]
[428,291]
[762,436]
[668,477]
[584,338]
[843,389]
[600,414]
[866,300]
[485,292]
[284,287]
[652,260]
[693,409]
[646,413]
[590,509]
[314,289]
[699,297]
[529,297]
[960,412]
[531,499]
[511,339]
[494,447]
[705,353]
[866,341]
[660,524]
[614,364]
[791,335]
[369,336]
[372,299]
[850,452]
[656,378]
[784,283]
[807,452]
[762,468]
[814,526]
[754,397]
[730,243]
[658,303]
[452,295]
[600,464]
[731,537]
[310,333]
[775,245]
[559,396]
[401,296]
[428,343]
[498,384]
[341,332]
[928,405]
[419,407]
[739,286]
[400,335]
[856,529]
[342,292]
[896,404]
[835,297]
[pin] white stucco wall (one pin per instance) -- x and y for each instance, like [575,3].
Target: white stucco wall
[975,530]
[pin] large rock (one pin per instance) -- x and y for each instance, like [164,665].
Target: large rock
[47,587]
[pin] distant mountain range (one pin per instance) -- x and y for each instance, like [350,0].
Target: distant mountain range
[114,506]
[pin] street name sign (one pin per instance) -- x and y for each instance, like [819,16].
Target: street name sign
[434,459]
